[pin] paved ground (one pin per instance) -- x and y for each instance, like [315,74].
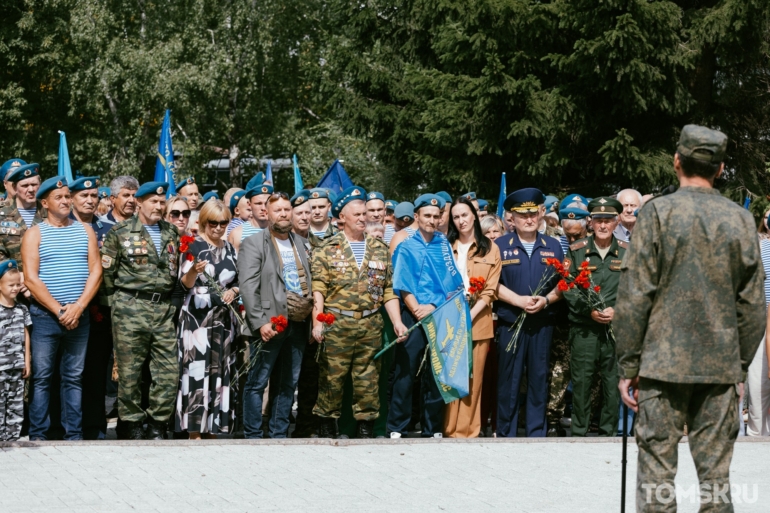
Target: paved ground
[400,476]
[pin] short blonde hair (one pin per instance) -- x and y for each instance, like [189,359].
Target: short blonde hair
[170,202]
[213,210]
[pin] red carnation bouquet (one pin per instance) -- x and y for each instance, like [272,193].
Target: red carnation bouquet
[279,323]
[475,289]
[327,319]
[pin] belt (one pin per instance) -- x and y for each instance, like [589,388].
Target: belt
[153,297]
[354,314]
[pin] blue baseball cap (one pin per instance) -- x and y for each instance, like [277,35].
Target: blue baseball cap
[429,200]
[151,188]
[84,183]
[53,183]
[350,194]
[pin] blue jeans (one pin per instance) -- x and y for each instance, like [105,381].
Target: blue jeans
[48,339]
[290,346]
[631,416]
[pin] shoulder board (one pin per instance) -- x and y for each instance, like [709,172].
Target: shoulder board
[623,244]
[578,245]
[326,241]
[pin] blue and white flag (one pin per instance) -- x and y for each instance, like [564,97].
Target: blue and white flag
[501,198]
[165,169]
[65,169]
[298,185]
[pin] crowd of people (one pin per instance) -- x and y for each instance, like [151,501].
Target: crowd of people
[211,315]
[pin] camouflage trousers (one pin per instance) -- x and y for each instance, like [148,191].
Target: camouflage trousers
[350,347]
[559,373]
[710,412]
[11,404]
[142,329]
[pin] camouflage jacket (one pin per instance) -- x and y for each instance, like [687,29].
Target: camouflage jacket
[131,262]
[691,304]
[12,229]
[346,287]
[605,273]
[316,241]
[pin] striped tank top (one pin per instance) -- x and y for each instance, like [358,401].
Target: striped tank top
[249,229]
[64,260]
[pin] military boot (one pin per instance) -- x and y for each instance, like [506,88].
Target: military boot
[365,429]
[327,428]
[134,431]
[155,430]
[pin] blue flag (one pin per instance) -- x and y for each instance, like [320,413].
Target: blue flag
[65,170]
[746,203]
[335,178]
[451,347]
[501,198]
[269,173]
[298,185]
[165,170]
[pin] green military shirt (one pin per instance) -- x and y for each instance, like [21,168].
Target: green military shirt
[605,273]
[131,262]
[346,287]
[12,229]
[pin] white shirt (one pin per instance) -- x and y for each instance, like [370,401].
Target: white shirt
[462,262]
[290,274]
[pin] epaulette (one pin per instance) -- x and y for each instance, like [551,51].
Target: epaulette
[623,244]
[578,244]
[327,240]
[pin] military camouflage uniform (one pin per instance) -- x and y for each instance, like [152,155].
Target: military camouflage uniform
[354,339]
[689,318]
[559,372]
[138,284]
[12,229]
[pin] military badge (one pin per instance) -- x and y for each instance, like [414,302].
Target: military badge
[106,261]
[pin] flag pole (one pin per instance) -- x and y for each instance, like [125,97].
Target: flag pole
[624,460]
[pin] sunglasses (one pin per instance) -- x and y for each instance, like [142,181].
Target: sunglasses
[278,195]
[176,213]
[221,224]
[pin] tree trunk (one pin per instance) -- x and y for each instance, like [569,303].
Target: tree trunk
[235,169]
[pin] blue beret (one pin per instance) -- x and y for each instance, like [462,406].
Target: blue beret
[10,164]
[53,183]
[404,209]
[257,179]
[375,196]
[429,200]
[470,196]
[483,204]
[524,200]
[234,199]
[185,181]
[264,188]
[300,198]
[209,195]
[350,194]
[331,195]
[152,188]
[86,182]
[390,204]
[319,193]
[572,213]
[549,202]
[23,172]
[104,192]
[445,195]
[572,198]
[7,265]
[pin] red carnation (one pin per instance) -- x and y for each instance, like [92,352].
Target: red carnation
[562,285]
[597,288]
[189,257]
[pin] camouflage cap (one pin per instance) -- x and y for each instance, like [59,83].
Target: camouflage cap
[701,143]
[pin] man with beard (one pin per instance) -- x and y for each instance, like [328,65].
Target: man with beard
[140,259]
[274,272]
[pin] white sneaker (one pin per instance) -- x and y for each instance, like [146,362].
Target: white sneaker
[395,435]
[438,435]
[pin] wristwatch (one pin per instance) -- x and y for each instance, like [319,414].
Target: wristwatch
[547,302]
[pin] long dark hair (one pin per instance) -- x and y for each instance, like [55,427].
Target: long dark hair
[453,233]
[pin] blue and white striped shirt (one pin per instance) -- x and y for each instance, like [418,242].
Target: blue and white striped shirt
[64,260]
[248,230]
[154,231]
[359,250]
[764,248]
[390,231]
[235,223]
[28,214]
[528,247]
[564,244]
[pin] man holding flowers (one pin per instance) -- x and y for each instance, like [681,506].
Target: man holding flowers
[594,267]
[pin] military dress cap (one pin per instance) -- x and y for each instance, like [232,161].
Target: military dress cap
[264,188]
[300,198]
[151,188]
[483,204]
[524,200]
[404,210]
[604,207]
[572,198]
[701,143]
[429,200]
[234,199]
[319,193]
[573,213]
[390,204]
[350,194]
[209,195]
[10,164]
[375,196]
[53,183]
[7,265]
[185,181]
[470,196]
[23,172]
[104,192]
[257,179]
[445,195]
[84,183]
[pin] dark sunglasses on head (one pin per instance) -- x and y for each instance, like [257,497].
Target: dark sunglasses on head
[176,213]
[221,224]
[277,195]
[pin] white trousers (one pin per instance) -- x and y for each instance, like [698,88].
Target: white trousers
[759,394]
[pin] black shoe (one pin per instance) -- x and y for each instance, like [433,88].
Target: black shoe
[155,431]
[134,431]
[555,431]
[365,429]
[327,428]
[122,430]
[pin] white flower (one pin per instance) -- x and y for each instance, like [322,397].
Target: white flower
[226,276]
[202,300]
[197,370]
